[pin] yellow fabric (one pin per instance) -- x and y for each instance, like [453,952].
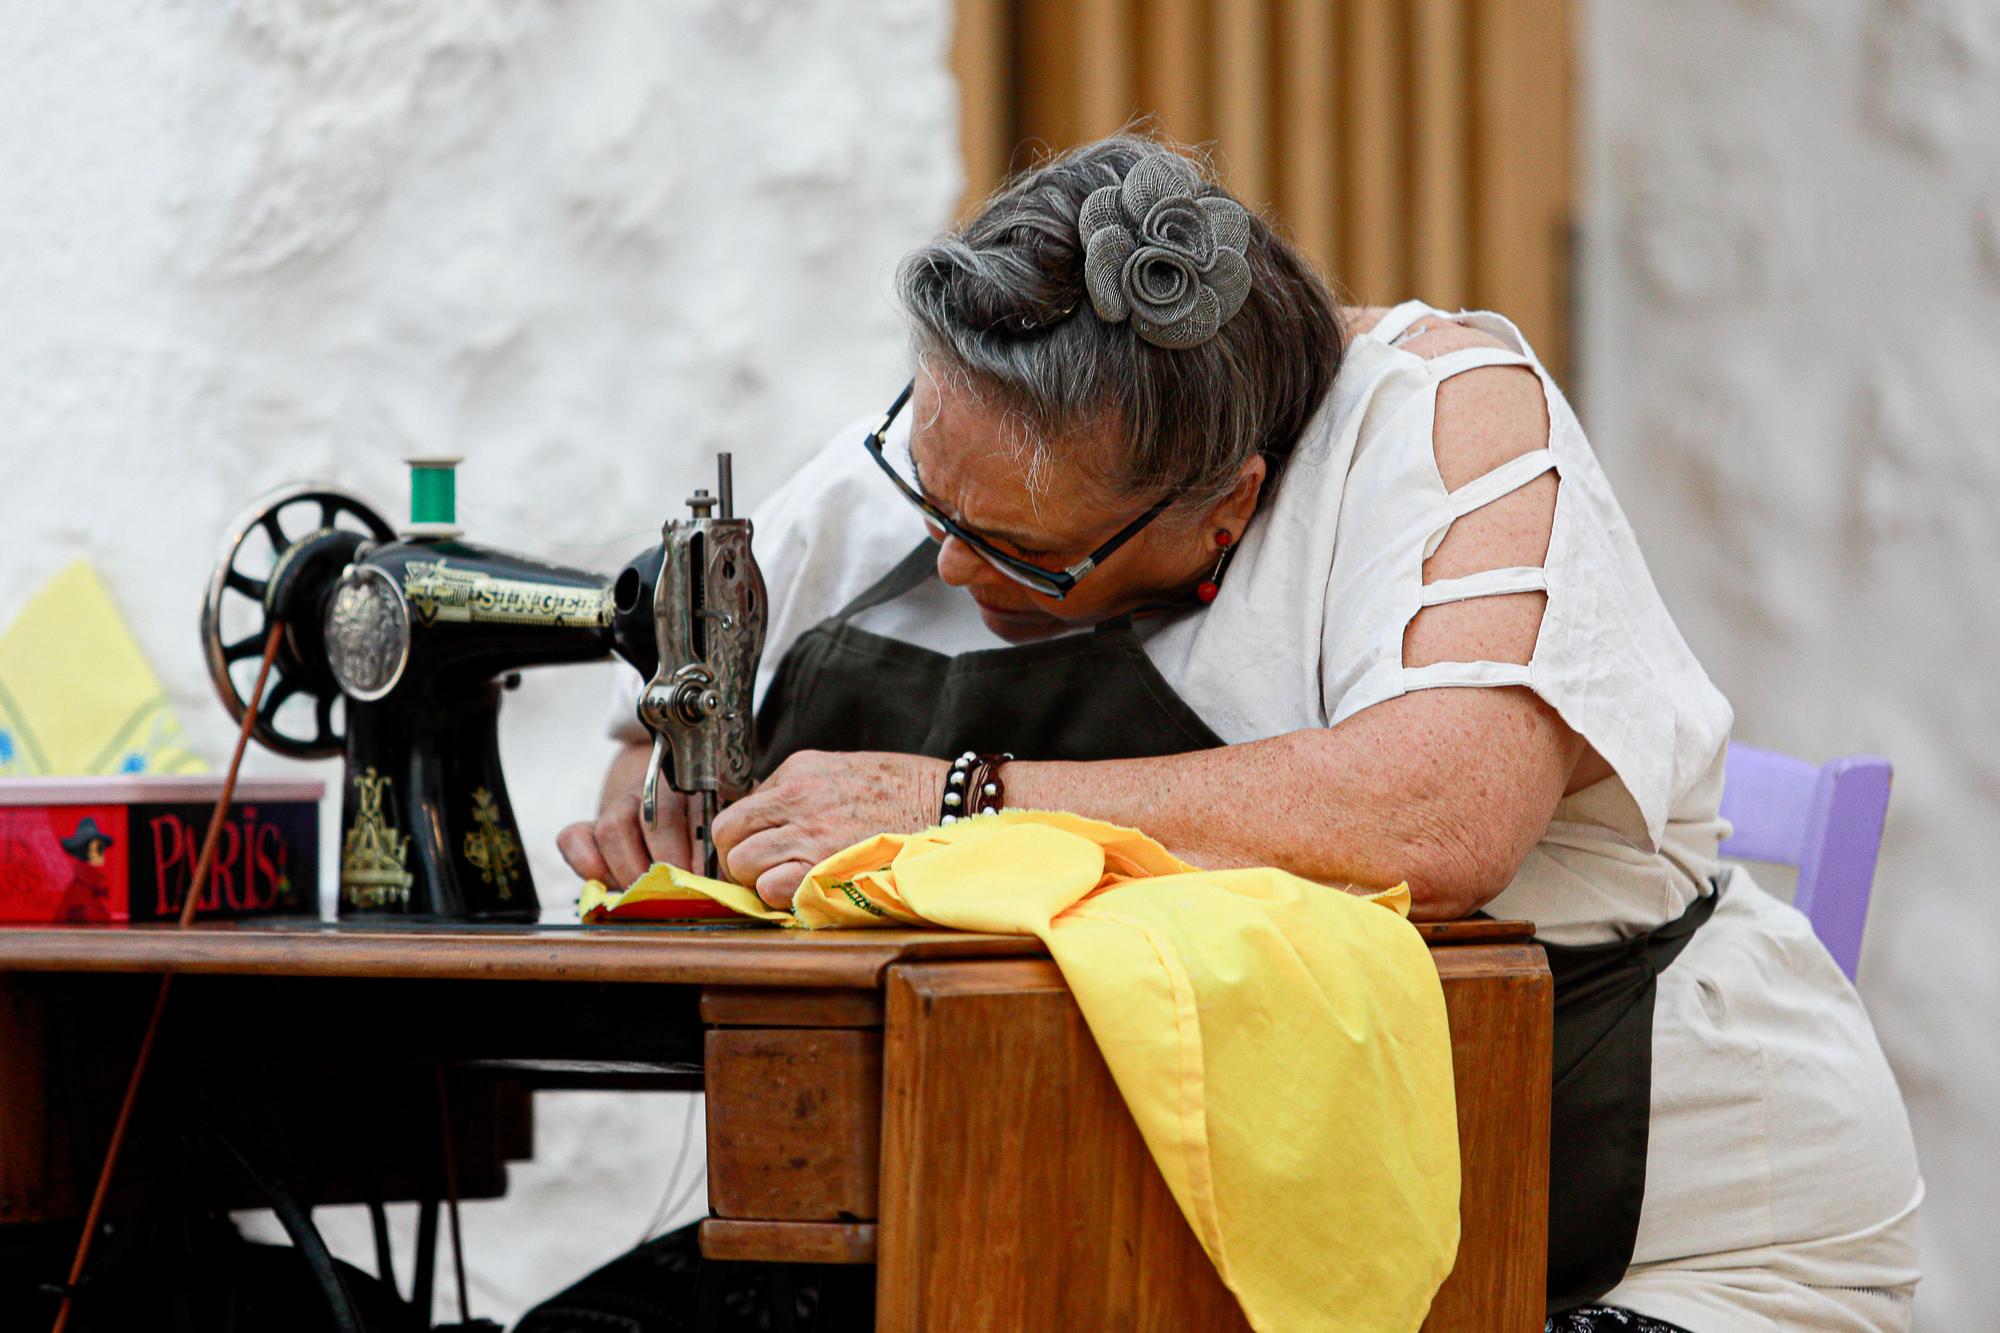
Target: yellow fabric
[1282,1045]
[77,697]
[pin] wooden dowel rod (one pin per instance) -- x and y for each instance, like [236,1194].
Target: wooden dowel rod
[95,1215]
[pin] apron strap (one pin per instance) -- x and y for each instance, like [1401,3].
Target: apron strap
[1664,943]
[917,567]
[909,572]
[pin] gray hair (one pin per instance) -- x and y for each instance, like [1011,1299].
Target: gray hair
[999,308]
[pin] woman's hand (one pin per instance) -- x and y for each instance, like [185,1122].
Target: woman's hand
[817,803]
[616,847]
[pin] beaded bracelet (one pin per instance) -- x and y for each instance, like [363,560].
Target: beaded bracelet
[973,787]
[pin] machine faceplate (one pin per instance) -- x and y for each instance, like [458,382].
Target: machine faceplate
[367,632]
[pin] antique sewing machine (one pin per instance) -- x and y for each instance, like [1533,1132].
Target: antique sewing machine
[397,648]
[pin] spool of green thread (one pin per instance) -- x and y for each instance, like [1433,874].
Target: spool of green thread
[434,492]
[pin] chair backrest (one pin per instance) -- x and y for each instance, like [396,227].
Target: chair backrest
[1826,820]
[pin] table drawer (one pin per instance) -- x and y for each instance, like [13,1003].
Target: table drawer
[794,1123]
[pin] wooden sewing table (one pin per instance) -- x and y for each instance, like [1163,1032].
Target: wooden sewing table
[929,1102]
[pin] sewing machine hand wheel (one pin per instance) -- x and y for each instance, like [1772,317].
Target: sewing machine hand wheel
[300,669]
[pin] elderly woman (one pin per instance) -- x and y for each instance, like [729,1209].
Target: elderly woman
[1168,539]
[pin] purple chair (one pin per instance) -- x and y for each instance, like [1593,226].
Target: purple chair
[1826,821]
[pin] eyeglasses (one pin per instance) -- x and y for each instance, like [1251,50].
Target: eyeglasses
[1055,583]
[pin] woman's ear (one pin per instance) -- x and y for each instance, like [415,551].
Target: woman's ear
[1236,508]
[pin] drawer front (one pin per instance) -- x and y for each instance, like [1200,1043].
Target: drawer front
[794,1123]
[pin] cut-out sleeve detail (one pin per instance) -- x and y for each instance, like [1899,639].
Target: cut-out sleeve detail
[1495,484]
[1509,477]
[1447,364]
[1486,583]
[1398,321]
[1439,675]
[1605,654]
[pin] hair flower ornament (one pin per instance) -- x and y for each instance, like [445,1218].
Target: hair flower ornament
[1158,253]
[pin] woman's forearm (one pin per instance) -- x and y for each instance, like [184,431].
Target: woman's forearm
[1448,793]
[1274,802]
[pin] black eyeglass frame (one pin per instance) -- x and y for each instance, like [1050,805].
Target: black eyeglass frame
[1054,583]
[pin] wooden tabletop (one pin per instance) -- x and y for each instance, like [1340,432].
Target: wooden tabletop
[712,954]
[1475,930]
[718,955]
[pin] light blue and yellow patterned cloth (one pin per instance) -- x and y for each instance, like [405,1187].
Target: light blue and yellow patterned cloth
[77,697]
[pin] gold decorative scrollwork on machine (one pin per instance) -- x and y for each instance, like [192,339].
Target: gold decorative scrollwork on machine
[374,857]
[491,847]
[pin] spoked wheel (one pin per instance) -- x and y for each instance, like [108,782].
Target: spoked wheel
[251,590]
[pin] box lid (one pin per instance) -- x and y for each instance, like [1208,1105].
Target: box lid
[153,789]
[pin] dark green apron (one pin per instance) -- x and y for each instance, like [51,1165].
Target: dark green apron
[1601,1107]
[1086,696]
[1096,695]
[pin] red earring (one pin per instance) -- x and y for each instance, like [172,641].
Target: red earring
[1210,586]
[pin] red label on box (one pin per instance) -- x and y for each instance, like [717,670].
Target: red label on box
[67,863]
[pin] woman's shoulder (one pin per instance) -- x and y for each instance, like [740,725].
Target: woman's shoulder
[837,468]
[1429,332]
[1483,415]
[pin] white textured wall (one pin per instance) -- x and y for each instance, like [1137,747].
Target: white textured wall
[585,244]
[1791,299]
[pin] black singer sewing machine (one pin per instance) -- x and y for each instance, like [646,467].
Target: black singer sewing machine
[414,636]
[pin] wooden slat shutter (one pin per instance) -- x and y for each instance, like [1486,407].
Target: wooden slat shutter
[1412,147]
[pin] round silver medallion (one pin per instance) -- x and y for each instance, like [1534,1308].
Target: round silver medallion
[367,632]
